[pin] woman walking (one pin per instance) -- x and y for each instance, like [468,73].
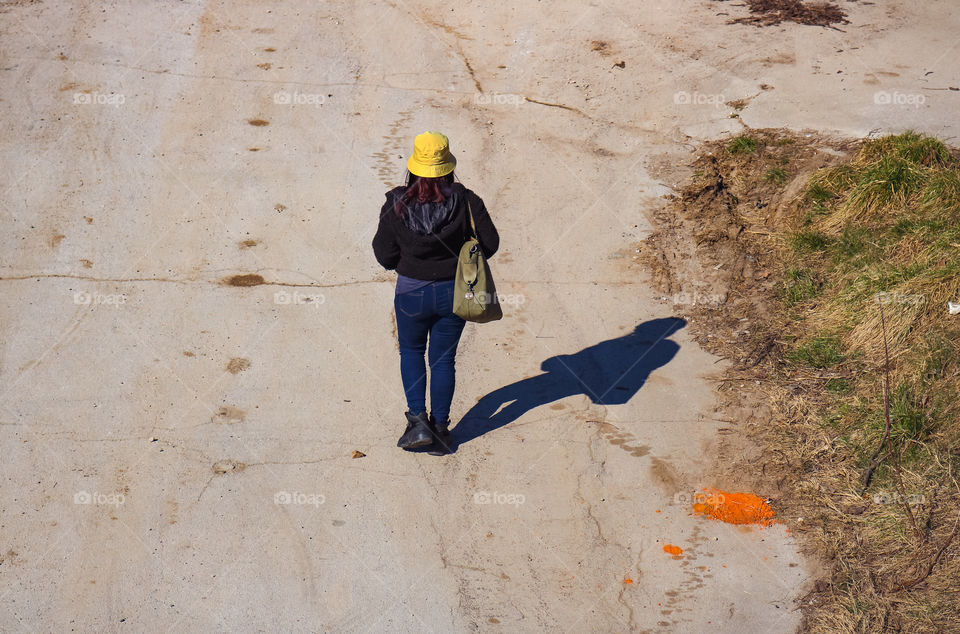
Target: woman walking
[423,224]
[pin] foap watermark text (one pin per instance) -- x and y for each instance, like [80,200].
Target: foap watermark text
[296,298]
[689,498]
[496,497]
[100,499]
[297,498]
[684,98]
[85,298]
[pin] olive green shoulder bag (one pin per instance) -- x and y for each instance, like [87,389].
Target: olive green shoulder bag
[474,294]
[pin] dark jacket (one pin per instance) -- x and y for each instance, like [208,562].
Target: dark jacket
[432,256]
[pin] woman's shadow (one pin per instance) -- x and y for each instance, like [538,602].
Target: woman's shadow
[609,373]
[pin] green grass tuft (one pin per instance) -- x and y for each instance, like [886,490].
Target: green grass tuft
[806,241]
[839,386]
[908,420]
[914,148]
[820,353]
[890,181]
[941,193]
[854,243]
[818,193]
[800,285]
[743,145]
[776,175]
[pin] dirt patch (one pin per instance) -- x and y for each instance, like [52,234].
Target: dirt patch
[773,12]
[249,279]
[712,250]
[601,47]
[6,5]
[622,439]
[238,365]
[228,415]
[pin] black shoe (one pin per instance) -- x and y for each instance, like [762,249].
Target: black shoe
[417,433]
[442,442]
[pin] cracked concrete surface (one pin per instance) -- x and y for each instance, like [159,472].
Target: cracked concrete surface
[195,336]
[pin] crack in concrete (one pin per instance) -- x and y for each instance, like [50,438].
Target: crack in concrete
[604,542]
[559,105]
[132,280]
[428,21]
[631,618]
[473,74]
[242,80]
[123,280]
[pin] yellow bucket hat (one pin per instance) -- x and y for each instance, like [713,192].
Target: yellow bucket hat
[431,156]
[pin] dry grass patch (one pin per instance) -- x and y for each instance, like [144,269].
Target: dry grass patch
[859,246]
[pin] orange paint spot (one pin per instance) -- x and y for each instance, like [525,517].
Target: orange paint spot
[735,508]
[673,550]
[658,510]
[628,580]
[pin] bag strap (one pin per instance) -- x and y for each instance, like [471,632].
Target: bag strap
[473,227]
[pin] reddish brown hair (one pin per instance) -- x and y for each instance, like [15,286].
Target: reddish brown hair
[423,190]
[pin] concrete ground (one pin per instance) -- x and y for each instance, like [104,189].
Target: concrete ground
[177,450]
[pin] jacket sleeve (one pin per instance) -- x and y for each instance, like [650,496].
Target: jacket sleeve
[486,231]
[385,247]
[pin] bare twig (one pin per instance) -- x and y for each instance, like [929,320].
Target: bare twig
[894,455]
[875,459]
[928,567]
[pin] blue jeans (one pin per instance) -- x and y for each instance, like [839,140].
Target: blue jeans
[422,315]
